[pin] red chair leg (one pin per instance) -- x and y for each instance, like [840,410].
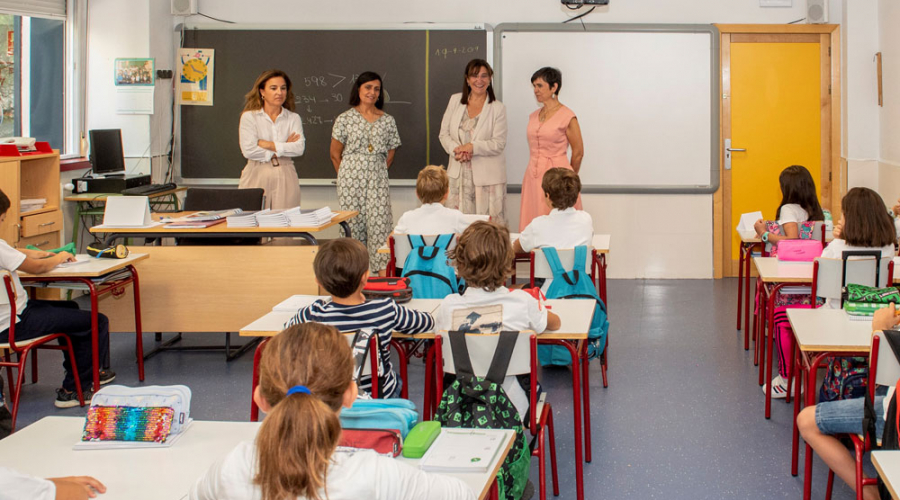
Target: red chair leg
[860,451]
[741,291]
[34,366]
[403,361]
[586,396]
[20,379]
[254,409]
[830,486]
[552,435]
[542,465]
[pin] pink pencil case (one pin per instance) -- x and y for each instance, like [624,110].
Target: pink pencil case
[799,250]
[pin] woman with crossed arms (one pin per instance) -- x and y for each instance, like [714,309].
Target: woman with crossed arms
[473,133]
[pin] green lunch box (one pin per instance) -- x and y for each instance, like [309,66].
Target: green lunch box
[420,438]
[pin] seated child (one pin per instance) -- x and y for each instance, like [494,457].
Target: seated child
[818,424]
[432,189]
[342,269]
[484,258]
[36,318]
[564,227]
[306,376]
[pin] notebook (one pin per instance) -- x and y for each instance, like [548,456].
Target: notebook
[463,450]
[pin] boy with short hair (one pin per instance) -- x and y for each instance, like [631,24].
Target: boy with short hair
[432,189]
[342,269]
[36,318]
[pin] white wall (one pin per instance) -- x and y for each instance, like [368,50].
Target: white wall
[119,28]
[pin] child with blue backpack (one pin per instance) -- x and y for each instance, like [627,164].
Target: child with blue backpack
[484,258]
[564,227]
[432,189]
[341,267]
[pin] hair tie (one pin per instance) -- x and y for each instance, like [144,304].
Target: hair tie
[298,389]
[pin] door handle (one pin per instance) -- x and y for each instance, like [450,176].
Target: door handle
[728,151]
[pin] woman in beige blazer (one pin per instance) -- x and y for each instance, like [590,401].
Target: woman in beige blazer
[473,133]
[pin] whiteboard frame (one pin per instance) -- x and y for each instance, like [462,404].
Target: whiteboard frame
[715,140]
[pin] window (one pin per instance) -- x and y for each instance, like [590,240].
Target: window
[32,83]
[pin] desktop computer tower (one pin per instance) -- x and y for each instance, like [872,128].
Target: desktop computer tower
[110,183]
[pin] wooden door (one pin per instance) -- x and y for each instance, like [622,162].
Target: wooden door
[777,107]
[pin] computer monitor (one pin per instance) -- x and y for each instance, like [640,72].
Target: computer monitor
[106,151]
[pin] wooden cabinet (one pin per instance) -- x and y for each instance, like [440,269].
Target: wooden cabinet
[30,177]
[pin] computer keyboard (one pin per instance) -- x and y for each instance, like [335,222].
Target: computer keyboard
[149,189]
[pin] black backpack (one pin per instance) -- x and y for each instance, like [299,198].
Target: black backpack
[481,403]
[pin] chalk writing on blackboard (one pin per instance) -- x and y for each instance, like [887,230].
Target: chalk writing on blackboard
[445,52]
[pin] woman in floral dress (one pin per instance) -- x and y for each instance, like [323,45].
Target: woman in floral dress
[363,142]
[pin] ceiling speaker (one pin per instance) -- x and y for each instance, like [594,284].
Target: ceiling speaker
[816,11]
[184,7]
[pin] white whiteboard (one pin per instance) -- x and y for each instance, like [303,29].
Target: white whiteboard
[646,98]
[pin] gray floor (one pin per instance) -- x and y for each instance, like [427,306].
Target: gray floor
[682,417]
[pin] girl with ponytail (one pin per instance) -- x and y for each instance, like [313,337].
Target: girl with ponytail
[306,376]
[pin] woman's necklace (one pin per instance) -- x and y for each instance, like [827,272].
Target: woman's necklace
[545,113]
[371,124]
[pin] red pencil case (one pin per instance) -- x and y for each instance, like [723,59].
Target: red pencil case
[395,288]
[384,441]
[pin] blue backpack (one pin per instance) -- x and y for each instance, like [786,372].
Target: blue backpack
[399,414]
[574,284]
[429,271]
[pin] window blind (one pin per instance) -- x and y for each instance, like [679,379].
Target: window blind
[36,8]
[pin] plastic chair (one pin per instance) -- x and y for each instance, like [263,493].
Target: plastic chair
[364,369]
[523,361]
[400,247]
[23,347]
[884,369]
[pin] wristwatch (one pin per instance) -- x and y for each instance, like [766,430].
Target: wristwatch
[765,237]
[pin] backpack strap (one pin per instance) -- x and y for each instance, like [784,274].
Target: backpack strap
[443,241]
[553,260]
[580,258]
[415,240]
[502,355]
[460,352]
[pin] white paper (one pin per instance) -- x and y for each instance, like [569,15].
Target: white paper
[294,303]
[134,100]
[747,221]
[79,259]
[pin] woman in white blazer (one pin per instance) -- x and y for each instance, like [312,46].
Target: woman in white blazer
[473,133]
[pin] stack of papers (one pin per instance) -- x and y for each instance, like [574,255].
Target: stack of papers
[272,218]
[309,218]
[245,219]
[32,204]
[207,216]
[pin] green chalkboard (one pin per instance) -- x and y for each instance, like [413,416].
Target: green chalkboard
[421,69]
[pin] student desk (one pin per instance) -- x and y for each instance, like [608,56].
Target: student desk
[222,230]
[779,275]
[887,462]
[821,333]
[90,276]
[576,317]
[44,449]
[93,204]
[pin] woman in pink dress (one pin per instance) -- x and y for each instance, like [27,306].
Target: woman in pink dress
[552,129]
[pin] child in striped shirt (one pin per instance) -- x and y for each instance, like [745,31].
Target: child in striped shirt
[342,269]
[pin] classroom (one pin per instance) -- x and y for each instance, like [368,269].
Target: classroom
[719,158]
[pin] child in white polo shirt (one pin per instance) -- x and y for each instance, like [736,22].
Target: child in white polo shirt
[432,189]
[564,227]
[484,258]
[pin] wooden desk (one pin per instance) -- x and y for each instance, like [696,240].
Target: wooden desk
[778,274]
[576,317]
[85,204]
[887,463]
[89,276]
[222,230]
[820,334]
[44,449]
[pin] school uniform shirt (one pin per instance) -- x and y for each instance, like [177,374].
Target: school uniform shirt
[520,312]
[836,248]
[792,212]
[10,260]
[567,228]
[15,485]
[432,219]
[382,316]
[256,125]
[352,474]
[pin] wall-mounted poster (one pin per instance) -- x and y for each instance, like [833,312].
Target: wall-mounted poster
[134,72]
[195,76]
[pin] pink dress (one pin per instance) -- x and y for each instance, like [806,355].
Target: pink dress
[548,147]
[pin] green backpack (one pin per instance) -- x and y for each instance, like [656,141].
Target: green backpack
[481,403]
